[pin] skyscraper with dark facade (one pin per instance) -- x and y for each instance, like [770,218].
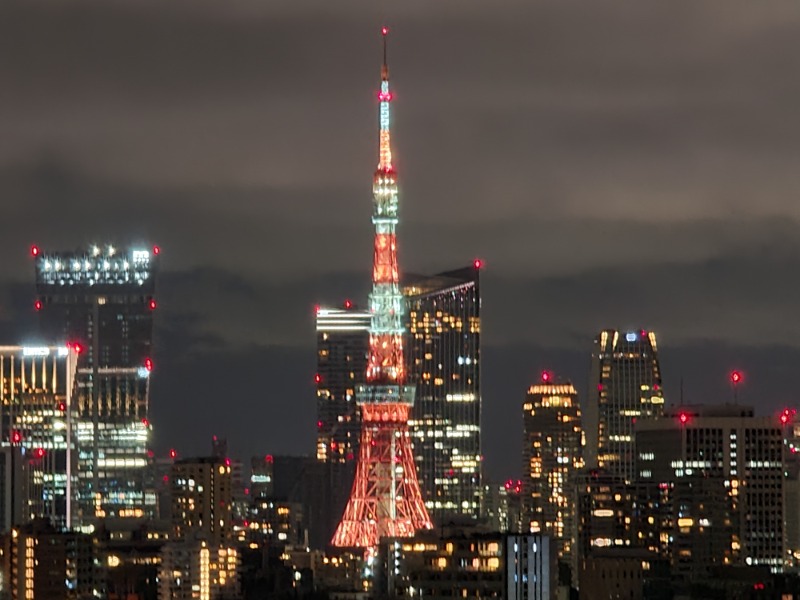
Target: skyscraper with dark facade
[443,358]
[552,455]
[625,386]
[725,468]
[103,299]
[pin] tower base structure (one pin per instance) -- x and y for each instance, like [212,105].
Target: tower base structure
[386,500]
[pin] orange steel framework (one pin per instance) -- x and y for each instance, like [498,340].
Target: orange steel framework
[386,498]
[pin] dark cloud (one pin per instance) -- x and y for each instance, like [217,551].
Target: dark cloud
[616,164]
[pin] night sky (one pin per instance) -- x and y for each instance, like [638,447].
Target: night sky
[615,164]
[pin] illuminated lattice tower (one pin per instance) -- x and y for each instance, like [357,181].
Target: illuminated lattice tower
[386,498]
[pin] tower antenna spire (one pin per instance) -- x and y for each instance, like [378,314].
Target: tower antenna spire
[385,67]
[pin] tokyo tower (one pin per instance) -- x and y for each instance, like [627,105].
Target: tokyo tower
[386,498]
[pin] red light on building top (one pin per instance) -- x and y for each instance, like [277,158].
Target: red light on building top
[317,378]
[156,250]
[477,263]
[34,250]
[148,364]
[319,423]
[173,453]
[348,304]
[683,418]
[736,377]
[227,462]
[546,376]
[37,305]
[384,30]
[152,304]
[78,348]
[269,459]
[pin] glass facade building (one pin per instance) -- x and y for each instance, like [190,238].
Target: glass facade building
[443,360]
[552,454]
[625,386]
[103,300]
[34,431]
[342,346]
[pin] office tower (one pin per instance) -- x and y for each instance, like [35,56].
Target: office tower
[552,455]
[342,347]
[734,461]
[197,570]
[611,513]
[443,358]
[791,432]
[466,564]
[385,499]
[625,387]
[34,428]
[202,500]
[42,562]
[103,299]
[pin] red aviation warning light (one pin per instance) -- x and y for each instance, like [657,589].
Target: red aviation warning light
[384,30]
[152,304]
[78,348]
[477,263]
[317,378]
[546,376]
[683,418]
[37,305]
[156,250]
[736,377]
[348,304]
[148,364]
[35,251]
[173,453]
[787,415]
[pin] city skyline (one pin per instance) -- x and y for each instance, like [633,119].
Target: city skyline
[720,247]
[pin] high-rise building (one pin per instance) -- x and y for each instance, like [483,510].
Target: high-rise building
[625,387]
[103,299]
[197,570]
[734,463]
[42,562]
[552,453]
[611,513]
[35,428]
[385,499]
[460,563]
[202,500]
[443,358]
[342,347]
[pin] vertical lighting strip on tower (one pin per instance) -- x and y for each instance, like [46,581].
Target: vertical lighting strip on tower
[385,500]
